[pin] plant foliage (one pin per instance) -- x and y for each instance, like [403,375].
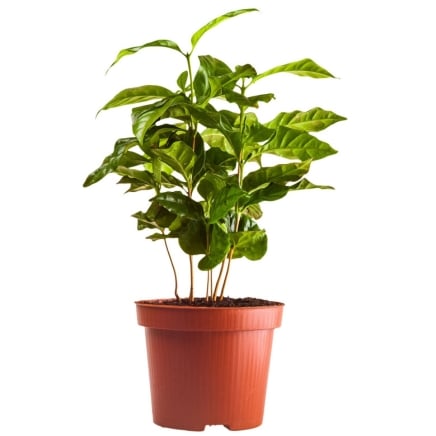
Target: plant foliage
[203,167]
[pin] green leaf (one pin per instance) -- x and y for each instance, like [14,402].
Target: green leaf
[219,246]
[182,81]
[179,156]
[144,117]
[193,239]
[205,86]
[250,244]
[143,179]
[132,50]
[305,184]
[280,174]
[305,67]
[200,32]
[210,185]
[296,144]
[216,139]
[180,204]
[137,95]
[111,162]
[314,120]
[223,201]
[244,101]
[156,217]
[271,192]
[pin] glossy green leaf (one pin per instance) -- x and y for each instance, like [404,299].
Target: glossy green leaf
[205,86]
[314,120]
[305,184]
[244,101]
[216,139]
[281,174]
[297,144]
[156,217]
[179,156]
[250,244]
[223,201]
[180,204]
[193,238]
[305,67]
[210,185]
[271,192]
[165,43]
[137,95]
[144,117]
[211,24]
[138,178]
[111,162]
[182,81]
[218,248]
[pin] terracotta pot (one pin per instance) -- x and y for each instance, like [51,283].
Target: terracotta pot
[208,365]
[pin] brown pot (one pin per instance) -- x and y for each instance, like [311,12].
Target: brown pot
[208,365]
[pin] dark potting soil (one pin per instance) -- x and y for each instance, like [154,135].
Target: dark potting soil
[226,302]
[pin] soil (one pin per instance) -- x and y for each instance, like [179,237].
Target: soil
[226,302]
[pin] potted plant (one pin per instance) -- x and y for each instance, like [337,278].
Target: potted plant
[197,154]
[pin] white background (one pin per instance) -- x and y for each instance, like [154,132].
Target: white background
[355,266]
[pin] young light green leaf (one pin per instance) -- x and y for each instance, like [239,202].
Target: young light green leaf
[200,32]
[166,43]
[297,144]
[305,67]
[313,120]
[137,95]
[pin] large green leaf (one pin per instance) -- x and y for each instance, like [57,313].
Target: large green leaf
[250,244]
[156,217]
[305,67]
[180,204]
[166,43]
[193,238]
[179,156]
[111,162]
[281,174]
[313,120]
[218,247]
[223,201]
[144,117]
[210,185]
[296,144]
[137,95]
[200,32]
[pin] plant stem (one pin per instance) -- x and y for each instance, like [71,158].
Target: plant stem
[229,260]
[176,285]
[218,280]
[191,273]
